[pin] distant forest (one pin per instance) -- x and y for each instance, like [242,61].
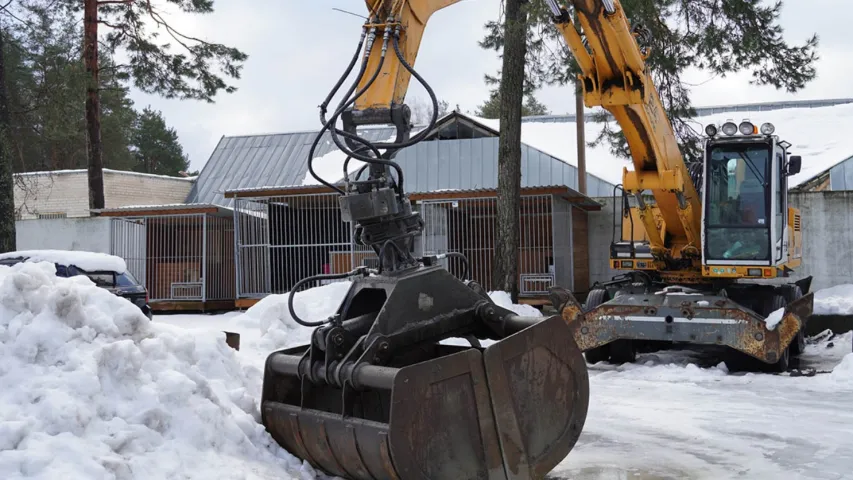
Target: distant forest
[46,83]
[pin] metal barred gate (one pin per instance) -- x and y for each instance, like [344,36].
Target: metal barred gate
[469,225]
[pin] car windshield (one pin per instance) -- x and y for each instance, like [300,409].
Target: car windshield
[738,181]
[738,204]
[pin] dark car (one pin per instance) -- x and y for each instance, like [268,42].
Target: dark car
[122,284]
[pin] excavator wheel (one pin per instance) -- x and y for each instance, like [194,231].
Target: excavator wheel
[598,354]
[798,346]
[738,361]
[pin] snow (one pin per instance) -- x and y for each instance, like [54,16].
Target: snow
[330,167]
[820,135]
[774,319]
[836,300]
[106,170]
[88,261]
[560,141]
[95,390]
[92,389]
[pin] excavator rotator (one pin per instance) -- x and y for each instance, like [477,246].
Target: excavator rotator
[379,393]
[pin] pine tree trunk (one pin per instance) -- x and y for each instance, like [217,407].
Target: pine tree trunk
[509,149]
[93,105]
[7,189]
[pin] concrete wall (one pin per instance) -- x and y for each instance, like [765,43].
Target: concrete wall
[827,237]
[87,234]
[66,192]
[600,236]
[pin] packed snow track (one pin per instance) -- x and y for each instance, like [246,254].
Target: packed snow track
[92,390]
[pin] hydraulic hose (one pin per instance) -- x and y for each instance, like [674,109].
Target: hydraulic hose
[467,272]
[338,276]
[417,138]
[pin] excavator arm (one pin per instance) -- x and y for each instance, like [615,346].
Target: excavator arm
[408,20]
[379,393]
[615,77]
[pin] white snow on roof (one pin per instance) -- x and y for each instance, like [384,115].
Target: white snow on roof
[820,135]
[330,167]
[106,170]
[88,261]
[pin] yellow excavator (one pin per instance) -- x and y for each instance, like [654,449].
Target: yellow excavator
[379,393]
[706,247]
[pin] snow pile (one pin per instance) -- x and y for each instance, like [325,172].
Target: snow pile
[278,329]
[844,371]
[504,300]
[88,261]
[836,300]
[92,389]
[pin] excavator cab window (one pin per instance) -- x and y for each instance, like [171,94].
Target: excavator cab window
[738,205]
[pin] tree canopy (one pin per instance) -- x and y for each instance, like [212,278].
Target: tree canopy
[47,88]
[719,37]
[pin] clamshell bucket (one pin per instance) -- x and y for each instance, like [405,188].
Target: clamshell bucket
[512,410]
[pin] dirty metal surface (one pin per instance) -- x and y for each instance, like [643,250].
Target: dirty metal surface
[512,411]
[540,394]
[688,318]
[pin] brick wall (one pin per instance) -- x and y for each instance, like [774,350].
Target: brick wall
[66,192]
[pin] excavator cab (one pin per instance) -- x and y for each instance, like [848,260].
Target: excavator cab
[746,215]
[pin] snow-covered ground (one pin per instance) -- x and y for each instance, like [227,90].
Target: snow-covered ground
[93,390]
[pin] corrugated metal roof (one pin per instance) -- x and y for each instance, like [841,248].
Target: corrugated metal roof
[473,164]
[280,160]
[841,176]
[256,160]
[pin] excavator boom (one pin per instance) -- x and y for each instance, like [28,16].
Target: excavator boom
[615,76]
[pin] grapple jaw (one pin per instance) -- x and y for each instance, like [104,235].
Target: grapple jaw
[389,401]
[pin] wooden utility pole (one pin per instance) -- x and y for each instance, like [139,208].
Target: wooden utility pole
[93,105]
[7,189]
[581,139]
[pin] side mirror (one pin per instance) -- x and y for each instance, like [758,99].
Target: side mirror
[795,163]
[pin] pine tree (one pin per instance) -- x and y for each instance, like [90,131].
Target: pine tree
[7,197]
[197,71]
[491,107]
[717,37]
[155,146]
[509,150]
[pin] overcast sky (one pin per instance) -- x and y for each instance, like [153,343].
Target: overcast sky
[298,49]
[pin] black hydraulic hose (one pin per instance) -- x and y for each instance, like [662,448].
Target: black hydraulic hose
[346,103]
[325,104]
[464,259]
[338,276]
[341,107]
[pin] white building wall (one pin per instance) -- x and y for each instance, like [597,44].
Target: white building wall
[67,192]
[91,234]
